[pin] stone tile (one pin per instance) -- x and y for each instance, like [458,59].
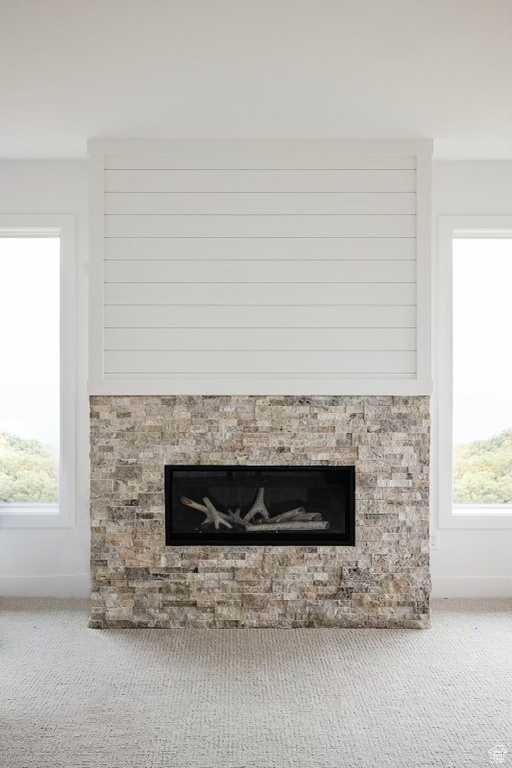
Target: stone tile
[383,581]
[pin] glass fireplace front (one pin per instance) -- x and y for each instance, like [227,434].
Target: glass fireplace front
[292,505]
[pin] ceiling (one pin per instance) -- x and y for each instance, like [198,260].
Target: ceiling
[304,69]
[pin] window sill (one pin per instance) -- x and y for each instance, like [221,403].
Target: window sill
[488,516]
[486,510]
[33,516]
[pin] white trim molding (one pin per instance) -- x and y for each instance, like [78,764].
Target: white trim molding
[250,385]
[471,587]
[54,585]
[450,515]
[61,515]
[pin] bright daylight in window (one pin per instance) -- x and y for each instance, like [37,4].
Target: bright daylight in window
[482,374]
[29,370]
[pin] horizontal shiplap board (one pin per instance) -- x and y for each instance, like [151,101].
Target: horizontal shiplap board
[253,180]
[260,226]
[260,272]
[260,339]
[260,162]
[261,203]
[259,362]
[229,317]
[264,248]
[263,294]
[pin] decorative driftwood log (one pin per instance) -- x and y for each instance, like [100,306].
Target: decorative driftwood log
[311,525]
[199,507]
[218,518]
[293,520]
[307,516]
[213,516]
[258,508]
[292,514]
[236,517]
[194,505]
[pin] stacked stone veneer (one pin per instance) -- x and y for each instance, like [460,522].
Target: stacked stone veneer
[139,582]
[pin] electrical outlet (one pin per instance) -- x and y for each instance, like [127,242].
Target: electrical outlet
[434,539]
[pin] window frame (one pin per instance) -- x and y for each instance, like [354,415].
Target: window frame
[450,228]
[62,514]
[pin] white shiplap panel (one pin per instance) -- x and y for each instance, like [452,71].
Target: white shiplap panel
[259,362]
[264,248]
[278,261]
[346,339]
[260,162]
[228,317]
[260,203]
[190,180]
[260,272]
[260,226]
[262,294]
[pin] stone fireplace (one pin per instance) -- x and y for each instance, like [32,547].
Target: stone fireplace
[142,580]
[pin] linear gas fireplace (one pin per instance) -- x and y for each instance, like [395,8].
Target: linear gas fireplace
[275,505]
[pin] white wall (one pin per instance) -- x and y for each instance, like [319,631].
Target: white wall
[469,562]
[53,561]
[57,561]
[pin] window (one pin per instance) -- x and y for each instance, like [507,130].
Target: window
[475,374]
[29,384]
[482,374]
[36,373]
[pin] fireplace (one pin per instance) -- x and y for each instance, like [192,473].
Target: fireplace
[292,447]
[259,505]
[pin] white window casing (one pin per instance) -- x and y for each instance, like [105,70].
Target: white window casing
[61,515]
[450,515]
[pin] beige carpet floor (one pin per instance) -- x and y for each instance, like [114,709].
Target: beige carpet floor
[71,697]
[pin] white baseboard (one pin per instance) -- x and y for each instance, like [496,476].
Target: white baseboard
[462,586]
[65,585]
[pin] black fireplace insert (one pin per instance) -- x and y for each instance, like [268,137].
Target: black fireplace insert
[276,505]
